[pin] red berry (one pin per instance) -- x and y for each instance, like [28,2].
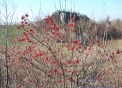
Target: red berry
[117,52]
[77,61]
[22,17]
[26,15]
[75,41]
[22,84]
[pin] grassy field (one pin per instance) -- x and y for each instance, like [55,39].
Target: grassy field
[12,32]
[114,44]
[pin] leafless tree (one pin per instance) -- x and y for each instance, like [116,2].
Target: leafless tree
[7,11]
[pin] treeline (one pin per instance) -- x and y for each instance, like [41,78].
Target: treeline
[113,29]
[67,15]
[108,29]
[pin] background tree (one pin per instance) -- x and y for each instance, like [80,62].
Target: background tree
[7,11]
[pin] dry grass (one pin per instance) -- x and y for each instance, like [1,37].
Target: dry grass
[114,44]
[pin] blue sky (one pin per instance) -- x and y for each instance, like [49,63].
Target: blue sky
[112,8]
